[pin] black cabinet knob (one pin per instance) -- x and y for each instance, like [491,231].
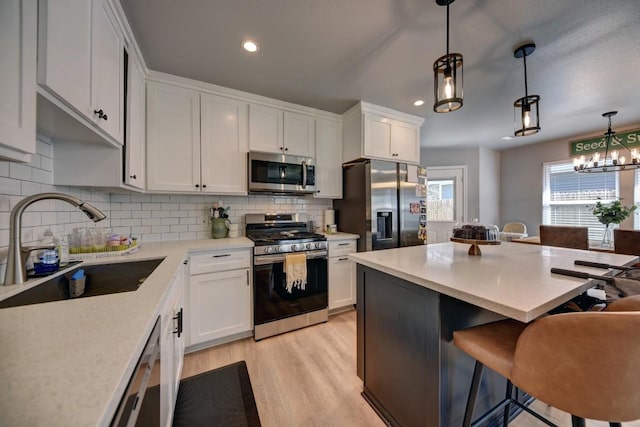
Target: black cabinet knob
[286,149]
[204,185]
[101,114]
[132,176]
[197,186]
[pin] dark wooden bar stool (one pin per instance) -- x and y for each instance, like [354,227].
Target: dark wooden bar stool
[585,363]
[564,236]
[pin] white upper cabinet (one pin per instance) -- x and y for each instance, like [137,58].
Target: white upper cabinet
[380,133]
[80,54]
[17,79]
[274,130]
[299,134]
[328,159]
[173,138]
[134,173]
[196,141]
[266,129]
[224,144]
[107,71]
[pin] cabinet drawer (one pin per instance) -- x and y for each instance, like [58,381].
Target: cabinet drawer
[342,247]
[212,262]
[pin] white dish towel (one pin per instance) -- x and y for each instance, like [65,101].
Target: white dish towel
[295,267]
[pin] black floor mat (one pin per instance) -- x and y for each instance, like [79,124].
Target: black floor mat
[222,397]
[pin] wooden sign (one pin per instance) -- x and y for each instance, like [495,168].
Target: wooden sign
[593,145]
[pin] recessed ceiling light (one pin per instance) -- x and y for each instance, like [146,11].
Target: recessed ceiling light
[506,138]
[418,102]
[250,46]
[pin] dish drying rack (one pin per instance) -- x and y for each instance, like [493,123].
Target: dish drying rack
[81,254]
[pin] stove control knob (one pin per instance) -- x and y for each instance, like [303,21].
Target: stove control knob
[268,250]
[318,245]
[294,247]
[308,245]
[277,249]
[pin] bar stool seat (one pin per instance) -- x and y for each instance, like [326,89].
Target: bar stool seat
[585,363]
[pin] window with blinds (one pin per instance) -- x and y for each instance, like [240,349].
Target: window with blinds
[567,196]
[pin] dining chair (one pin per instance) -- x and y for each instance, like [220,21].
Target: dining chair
[626,241]
[570,361]
[514,227]
[564,236]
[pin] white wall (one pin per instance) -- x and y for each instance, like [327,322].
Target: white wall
[489,187]
[150,217]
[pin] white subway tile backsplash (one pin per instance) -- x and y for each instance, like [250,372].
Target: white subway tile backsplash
[150,217]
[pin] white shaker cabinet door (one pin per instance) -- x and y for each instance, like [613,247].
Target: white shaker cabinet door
[220,305]
[342,282]
[224,145]
[136,130]
[377,137]
[106,71]
[173,138]
[299,134]
[328,159]
[405,140]
[265,129]
[17,79]
[64,51]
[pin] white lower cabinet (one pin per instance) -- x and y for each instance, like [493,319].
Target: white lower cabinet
[342,274]
[219,295]
[172,343]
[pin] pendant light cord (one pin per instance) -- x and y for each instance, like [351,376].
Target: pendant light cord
[448,27]
[526,91]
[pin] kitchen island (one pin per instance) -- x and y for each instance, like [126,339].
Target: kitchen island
[410,300]
[67,363]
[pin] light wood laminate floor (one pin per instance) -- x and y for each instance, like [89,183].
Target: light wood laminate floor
[308,378]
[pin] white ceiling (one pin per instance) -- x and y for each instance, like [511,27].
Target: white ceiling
[329,54]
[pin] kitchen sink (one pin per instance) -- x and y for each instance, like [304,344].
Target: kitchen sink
[101,279]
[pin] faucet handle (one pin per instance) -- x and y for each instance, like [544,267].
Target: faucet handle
[27,249]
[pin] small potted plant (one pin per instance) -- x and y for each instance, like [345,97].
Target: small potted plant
[612,213]
[219,221]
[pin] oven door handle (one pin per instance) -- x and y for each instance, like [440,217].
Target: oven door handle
[273,259]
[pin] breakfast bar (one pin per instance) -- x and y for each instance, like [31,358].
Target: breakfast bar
[410,300]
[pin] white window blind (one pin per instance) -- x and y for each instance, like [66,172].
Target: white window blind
[567,196]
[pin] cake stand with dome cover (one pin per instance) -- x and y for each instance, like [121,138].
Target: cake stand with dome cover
[476,235]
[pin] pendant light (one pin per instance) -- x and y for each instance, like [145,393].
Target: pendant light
[526,112]
[447,79]
[613,159]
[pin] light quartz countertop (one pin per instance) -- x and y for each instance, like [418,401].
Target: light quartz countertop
[510,279]
[340,236]
[68,362]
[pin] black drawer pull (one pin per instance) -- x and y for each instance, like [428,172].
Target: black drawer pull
[343,259]
[220,256]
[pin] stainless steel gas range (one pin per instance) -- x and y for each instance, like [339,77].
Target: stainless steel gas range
[279,308]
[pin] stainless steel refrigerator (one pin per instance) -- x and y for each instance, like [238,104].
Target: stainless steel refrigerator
[384,203]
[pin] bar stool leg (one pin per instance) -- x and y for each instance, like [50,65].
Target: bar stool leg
[473,394]
[508,395]
[577,421]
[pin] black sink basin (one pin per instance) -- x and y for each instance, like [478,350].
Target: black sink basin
[101,279]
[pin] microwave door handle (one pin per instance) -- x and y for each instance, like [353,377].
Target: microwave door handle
[304,174]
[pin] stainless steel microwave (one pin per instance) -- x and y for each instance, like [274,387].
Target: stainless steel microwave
[281,174]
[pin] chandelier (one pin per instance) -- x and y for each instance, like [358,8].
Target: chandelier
[447,81]
[613,159]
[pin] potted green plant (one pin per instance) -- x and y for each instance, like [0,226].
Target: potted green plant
[611,213]
[219,221]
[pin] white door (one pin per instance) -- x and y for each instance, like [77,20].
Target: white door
[446,195]
[265,129]
[377,137]
[136,138]
[328,159]
[405,142]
